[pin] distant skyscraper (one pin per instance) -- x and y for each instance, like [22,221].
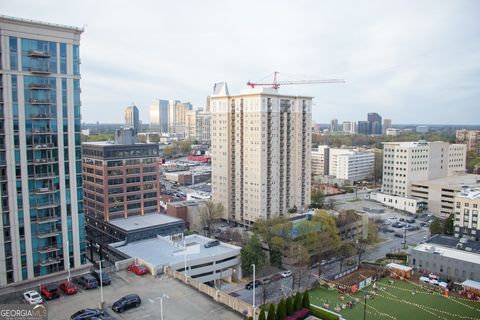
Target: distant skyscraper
[387,123]
[349,127]
[261,149]
[40,177]
[363,127]
[334,125]
[374,123]
[159,116]
[177,117]
[132,118]
[204,120]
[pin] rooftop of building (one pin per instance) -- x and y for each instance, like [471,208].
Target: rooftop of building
[40,23]
[456,180]
[258,91]
[458,244]
[470,193]
[164,251]
[185,203]
[113,144]
[145,221]
[466,256]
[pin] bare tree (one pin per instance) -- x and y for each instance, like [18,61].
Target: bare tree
[268,290]
[346,250]
[361,249]
[211,213]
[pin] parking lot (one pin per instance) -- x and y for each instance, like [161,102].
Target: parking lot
[183,302]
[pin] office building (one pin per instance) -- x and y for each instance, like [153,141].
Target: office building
[41,194]
[349,127]
[448,257]
[363,127]
[393,132]
[204,124]
[158,116]
[374,123]
[350,164]
[191,125]
[467,205]
[471,138]
[407,162]
[334,125]
[132,118]
[320,158]
[421,129]
[261,149]
[387,123]
[121,178]
[439,193]
[177,117]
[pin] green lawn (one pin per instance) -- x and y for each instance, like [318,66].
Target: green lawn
[398,303]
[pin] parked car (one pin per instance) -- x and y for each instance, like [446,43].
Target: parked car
[127,302]
[212,243]
[423,224]
[68,288]
[49,291]
[315,265]
[276,277]
[402,220]
[138,269]
[286,274]
[87,281]
[391,230]
[249,286]
[86,314]
[266,280]
[410,220]
[32,297]
[398,235]
[105,277]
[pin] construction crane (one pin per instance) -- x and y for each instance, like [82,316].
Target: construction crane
[276,84]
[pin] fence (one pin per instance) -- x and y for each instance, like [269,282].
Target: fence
[233,303]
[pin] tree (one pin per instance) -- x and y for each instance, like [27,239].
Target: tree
[211,213]
[318,198]
[326,240]
[297,302]
[262,315]
[268,290]
[252,253]
[289,306]
[168,151]
[437,226]
[361,249]
[274,233]
[372,236]
[448,225]
[306,300]
[299,259]
[346,250]
[281,310]
[271,313]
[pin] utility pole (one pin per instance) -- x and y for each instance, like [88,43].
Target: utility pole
[102,303]
[405,238]
[254,285]
[161,305]
[365,305]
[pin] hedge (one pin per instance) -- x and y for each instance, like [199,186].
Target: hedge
[323,314]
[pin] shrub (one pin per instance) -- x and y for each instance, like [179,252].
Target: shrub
[281,311]
[262,315]
[289,306]
[297,302]
[271,313]
[306,300]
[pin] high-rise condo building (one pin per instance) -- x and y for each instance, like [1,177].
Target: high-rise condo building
[387,124]
[467,206]
[320,158]
[41,194]
[407,162]
[261,149]
[374,123]
[204,122]
[471,138]
[349,127]
[158,116]
[334,125]
[132,118]
[351,164]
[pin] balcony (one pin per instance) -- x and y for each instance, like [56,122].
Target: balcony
[46,205]
[39,101]
[42,146]
[47,219]
[39,70]
[45,190]
[42,116]
[44,161]
[45,175]
[39,86]
[47,234]
[38,54]
[44,250]
[49,262]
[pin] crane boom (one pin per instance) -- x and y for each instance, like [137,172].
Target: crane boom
[276,84]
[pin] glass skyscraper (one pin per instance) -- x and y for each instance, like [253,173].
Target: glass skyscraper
[41,194]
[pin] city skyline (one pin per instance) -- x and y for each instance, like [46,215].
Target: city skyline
[401,60]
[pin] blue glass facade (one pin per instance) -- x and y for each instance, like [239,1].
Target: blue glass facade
[40,128]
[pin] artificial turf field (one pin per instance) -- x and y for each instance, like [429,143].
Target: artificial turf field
[398,302]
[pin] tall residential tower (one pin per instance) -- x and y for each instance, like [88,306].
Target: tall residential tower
[132,118]
[41,194]
[261,149]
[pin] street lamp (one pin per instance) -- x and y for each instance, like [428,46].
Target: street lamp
[101,285]
[365,305]
[164,296]
[68,260]
[254,285]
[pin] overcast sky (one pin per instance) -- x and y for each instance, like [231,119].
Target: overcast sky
[411,61]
